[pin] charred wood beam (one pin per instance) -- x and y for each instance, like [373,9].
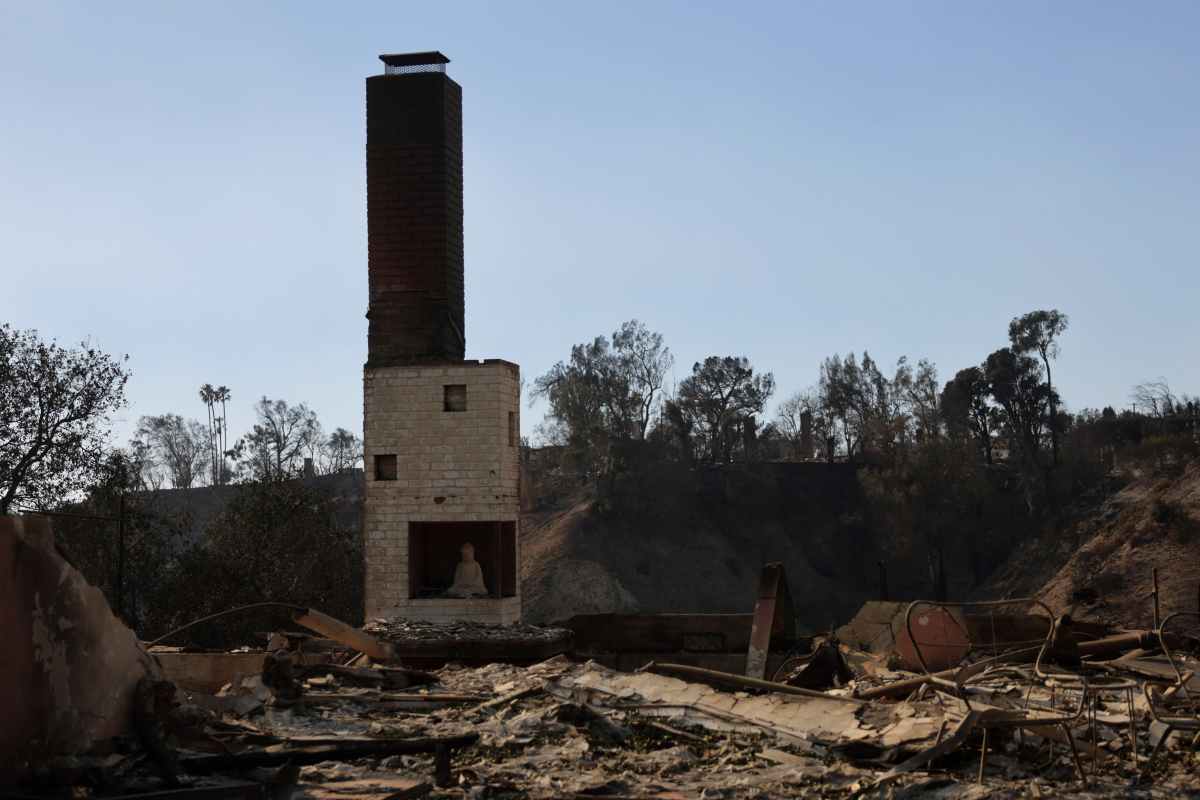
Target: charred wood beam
[234,790]
[348,635]
[316,751]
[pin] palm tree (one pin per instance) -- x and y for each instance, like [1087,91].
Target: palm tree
[209,395]
[224,395]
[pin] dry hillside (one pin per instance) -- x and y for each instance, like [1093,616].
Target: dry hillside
[1102,563]
[696,542]
[702,553]
[576,562]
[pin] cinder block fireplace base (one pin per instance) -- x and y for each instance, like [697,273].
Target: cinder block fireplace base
[443,469]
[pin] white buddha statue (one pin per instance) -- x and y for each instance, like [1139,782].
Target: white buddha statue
[468,576]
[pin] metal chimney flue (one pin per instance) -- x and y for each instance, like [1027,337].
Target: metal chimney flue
[409,63]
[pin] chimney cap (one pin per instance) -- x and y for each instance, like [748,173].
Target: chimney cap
[413,59]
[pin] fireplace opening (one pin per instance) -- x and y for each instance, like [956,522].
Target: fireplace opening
[435,550]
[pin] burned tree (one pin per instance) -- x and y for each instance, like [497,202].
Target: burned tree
[341,451]
[965,408]
[645,361]
[1016,384]
[176,445]
[605,394]
[1038,332]
[717,399]
[273,449]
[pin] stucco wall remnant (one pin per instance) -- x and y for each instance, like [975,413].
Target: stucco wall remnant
[68,666]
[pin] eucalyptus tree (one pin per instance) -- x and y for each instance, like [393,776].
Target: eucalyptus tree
[1038,332]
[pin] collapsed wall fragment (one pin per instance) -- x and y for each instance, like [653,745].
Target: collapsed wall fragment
[68,667]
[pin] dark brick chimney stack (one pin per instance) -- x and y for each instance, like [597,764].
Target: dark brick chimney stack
[416,300]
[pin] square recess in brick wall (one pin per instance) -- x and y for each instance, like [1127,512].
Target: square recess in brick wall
[454,397]
[386,468]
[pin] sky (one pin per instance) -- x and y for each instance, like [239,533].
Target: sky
[185,183]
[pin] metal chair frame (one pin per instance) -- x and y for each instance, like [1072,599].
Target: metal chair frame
[1160,712]
[1091,691]
[995,718]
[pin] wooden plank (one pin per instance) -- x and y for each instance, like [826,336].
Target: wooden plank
[505,699]
[346,634]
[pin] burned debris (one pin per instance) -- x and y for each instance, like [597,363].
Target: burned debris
[1007,697]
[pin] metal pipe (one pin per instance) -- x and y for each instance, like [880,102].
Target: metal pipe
[121,556]
[1157,618]
[226,612]
[905,687]
[1112,645]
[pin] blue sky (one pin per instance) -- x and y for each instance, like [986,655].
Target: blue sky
[185,183]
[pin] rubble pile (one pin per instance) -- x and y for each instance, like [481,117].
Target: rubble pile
[566,729]
[405,631]
[959,700]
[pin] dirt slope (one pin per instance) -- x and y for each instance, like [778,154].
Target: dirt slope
[696,540]
[1103,563]
[674,538]
[704,556]
[575,562]
[556,585]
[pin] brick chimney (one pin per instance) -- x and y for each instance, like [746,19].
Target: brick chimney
[441,435]
[415,308]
